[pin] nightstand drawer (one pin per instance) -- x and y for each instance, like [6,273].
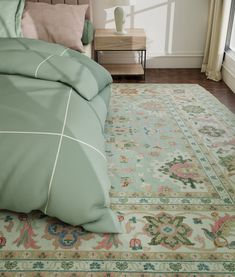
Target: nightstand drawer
[108,40]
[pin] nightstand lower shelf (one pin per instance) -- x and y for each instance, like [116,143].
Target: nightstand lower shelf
[124,69]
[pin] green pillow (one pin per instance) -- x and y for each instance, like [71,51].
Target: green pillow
[10,18]
[88,32]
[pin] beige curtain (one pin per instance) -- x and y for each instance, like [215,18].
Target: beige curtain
[216,38]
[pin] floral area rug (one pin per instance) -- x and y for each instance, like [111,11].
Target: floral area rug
[171,153]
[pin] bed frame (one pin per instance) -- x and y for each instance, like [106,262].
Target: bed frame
[70,2]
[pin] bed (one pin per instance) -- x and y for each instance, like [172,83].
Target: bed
[53,105]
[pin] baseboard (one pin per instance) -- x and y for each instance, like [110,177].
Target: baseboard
[156,60]
[228,71]
[175,61]
[228,78]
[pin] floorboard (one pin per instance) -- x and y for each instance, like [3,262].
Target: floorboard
[185,76]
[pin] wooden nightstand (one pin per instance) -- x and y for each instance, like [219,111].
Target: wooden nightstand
[134,40]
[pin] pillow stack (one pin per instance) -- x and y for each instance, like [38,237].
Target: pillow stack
[60,23]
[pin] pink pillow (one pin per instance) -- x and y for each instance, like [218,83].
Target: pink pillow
[60,23]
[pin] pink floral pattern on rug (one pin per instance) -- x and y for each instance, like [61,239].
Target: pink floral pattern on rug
[183,170]
[171,157]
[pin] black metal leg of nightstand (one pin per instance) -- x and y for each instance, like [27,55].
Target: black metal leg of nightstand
[97,56]
[141,58]
[145,57]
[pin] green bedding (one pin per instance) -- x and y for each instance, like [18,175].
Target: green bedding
[10,18]
[52,154]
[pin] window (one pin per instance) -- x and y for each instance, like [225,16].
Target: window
[232,39]
[230,43]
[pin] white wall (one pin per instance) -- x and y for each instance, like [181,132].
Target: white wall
[176,29]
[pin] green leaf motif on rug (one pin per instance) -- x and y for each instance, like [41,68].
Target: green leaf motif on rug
[38,265]
[229,266]
[149,266]
[183,170]
[228,162]
[175,266]
[121,265]
[168,231]
[169,226]
[10,265]
[194,109]
[203,267]
[94,265]
[67,265]
[212,131]
[208,234]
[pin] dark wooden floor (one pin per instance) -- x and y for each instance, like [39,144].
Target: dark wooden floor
[185,76]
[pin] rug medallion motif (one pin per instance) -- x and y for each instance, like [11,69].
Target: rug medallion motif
[171,161]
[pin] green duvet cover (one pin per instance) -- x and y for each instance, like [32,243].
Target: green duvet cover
[53,104]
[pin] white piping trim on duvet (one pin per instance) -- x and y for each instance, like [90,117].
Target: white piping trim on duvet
[41,63]
[29,133]
[64,51]
[92,147]
[56,134]
[58,151]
